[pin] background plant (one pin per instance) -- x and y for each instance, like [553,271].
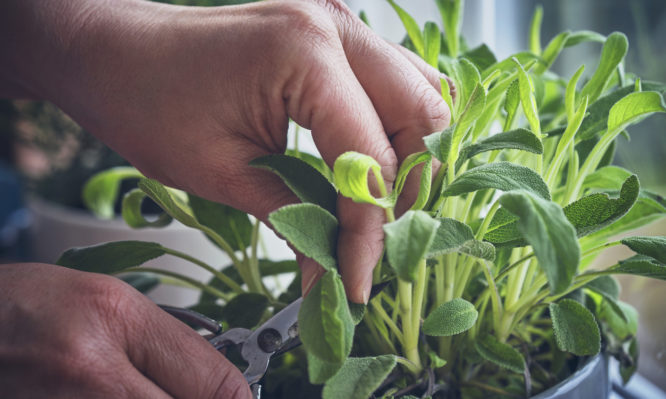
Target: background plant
[487,290]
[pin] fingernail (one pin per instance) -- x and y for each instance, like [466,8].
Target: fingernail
[366,296]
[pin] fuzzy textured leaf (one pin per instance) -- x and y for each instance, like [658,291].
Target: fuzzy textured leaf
[320,371]
[576,330]
[502,354]
[519,139]
[245,310]
[310,229]
[640,265]
[504,176]
[439,143]
[455,236]
[450,318]
[111,257]
[232,225]
[652,246]
[325,324]
[544,226]
[407,241]
[359,377]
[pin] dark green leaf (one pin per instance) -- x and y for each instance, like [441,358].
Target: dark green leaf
[627,369]
[482,57]
[310,229]
[544,226]
[407,241]
[110,257]
[325,324]
[245,310]
[652,246]
[502,354]
[455,236]
[597,117]
[313,161]
[519,139]
[607,286]
[359,377]
[639,265]
[303,179]
[502,176]
[229,223]
[320,371]
[450,318]
[576,330]
[142,282]
[101,191]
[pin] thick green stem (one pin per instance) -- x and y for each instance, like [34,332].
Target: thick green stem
[410,334]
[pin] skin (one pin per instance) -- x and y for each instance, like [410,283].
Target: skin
[189,96]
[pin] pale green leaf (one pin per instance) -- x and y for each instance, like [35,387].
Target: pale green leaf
[551,52]
[304,180]
[583,36]
[350,173]
[502,176]
[452,16]
[613,52]
[527,100]
[622,327]
[633,107]
[101,191]
[576,330]
[512,102]
[432,43]
[535,30]
[475,105]
[609,177]
[544,226]
[450,318]
[502,354]
[325,324]
[112,257]
[174,206]
[310,229]
[411,27]
[455,236]
[131,212]
[359,377]
[407,241]
[597,113]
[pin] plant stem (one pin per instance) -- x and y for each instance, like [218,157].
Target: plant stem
[377,308]
[219,275]
[194,283]
[410,335]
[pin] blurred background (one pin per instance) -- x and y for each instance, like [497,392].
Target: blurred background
[45,157]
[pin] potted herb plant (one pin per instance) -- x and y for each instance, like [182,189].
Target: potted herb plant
[486,286]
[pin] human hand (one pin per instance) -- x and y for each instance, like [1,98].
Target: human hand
[191,95]
[69,334]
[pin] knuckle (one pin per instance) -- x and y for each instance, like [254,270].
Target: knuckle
[308,22]
[432,109]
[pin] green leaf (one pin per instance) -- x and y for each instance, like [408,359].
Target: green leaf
[232,225]
[111,257]
[452,16]
[507,64]
[544,226]
[535,30]
[245,310]
[101,191]
[640,265]
[131,212]
[627,369]
[634,106]
[436,361]
[512,102]
[450,318]
[527,99]
[607,178]
[351,178]
[623,324]
[551,52]
[432,43]
[174,206]
[612,54]
[359,377]
[314,161]
[142,282]
[467,77]
[597,117]
[576,331]
[475,105]
[583,36]
[303,179]
[310,229]
[481,56]
[652,246]
[411,27]
[320,371]
[607,286]
[502,176]
[357,311]
[325,324]
[407,241]
[519,139]
[596,211]
[502,354]
[455,236]
[439,143]
[407,165]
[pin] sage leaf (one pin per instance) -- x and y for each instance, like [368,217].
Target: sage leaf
[310,229]
[596,211]
[551,52]
[652,246]
[623,324]
[455,236]
[507,64]
[325,324]
[101,191]
[411,27]
[634,106]
[527,100]
[232,225]
[627,369]
[481,56]
[576,330]
[245,310]
[596,119]
[174,206]
[357,311]
[502,354]
[407,241]
[475,105]
[304,180]
[450,318]
[535,30]
[612,53]
[313,161]
[504,176]
[359,377]
[607,286]
[452,16]
[544,226]
[583,36]
[131,212]
[439,143]
[432,43]
[320,371]
[640,265]
[609,177]
[112,257]
[519,139]
[407,165]
[350,173]
[142,282]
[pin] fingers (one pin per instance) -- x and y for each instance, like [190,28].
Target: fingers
[179,360]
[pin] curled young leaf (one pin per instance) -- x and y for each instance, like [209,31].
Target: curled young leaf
[131,212]
[576,330]
[450,318]
[351,178]
[101,191]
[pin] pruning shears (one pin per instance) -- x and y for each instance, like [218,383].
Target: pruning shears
[276,336]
